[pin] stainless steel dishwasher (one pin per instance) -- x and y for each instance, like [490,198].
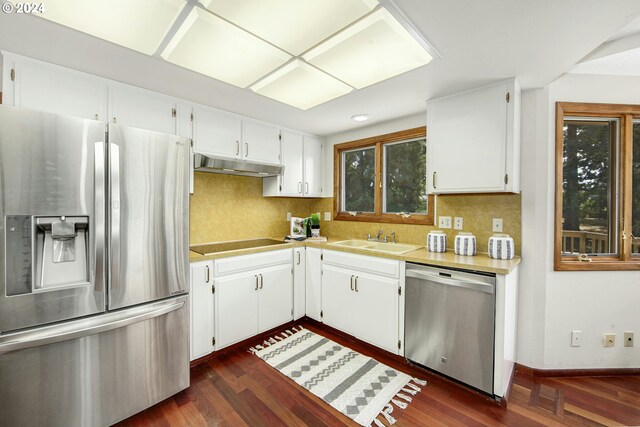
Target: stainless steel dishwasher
[449,323]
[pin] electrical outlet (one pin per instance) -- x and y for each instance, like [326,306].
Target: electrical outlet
[445,222]
[327,216]
[628,338]
[576,338]
[457,223]
[288,216]
[497,225]
[609,340]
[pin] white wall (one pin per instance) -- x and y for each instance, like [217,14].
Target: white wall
[552,304]
[403,123]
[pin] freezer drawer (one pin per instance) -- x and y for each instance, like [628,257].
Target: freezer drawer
[449,323]
[97,371]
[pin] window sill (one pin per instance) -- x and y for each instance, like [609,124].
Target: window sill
[601,265]
[385,218]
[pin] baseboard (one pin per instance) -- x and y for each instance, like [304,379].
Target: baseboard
[584,372]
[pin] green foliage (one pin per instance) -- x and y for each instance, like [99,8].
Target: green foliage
[315,219]
[359,180]
[405,177]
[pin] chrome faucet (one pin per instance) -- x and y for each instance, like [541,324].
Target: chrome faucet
[393,237]
[379,234]
[378,237]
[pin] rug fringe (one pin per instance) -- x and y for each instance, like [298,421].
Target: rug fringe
[410,391]
[413,386]
[399,404]
[419,382]
[404,396]
[386,412]
[378,423]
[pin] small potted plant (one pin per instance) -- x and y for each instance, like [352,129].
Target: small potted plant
[315,224]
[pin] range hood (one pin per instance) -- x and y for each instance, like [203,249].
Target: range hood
[202,163]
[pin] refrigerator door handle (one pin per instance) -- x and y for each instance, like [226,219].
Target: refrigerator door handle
[114,209]
[85,327]
[99,216]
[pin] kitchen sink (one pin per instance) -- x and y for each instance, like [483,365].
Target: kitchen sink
[390,248]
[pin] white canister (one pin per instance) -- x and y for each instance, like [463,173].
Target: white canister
[436,241]
[465,244]
[501,246]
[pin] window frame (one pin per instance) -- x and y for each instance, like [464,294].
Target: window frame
[378,215]
[626,114]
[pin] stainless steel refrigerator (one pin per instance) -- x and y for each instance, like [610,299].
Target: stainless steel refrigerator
[94,245]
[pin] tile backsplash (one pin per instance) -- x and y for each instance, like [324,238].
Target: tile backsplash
[227,207]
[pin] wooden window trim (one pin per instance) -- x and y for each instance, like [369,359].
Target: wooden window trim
[376,216]
[626,114]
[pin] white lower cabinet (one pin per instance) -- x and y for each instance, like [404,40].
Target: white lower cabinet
[254,293]
[360,302]
[313,284]
[299,282]
[201,313]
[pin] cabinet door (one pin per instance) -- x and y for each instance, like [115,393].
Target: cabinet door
[201,309]
[130,106]
[56,90]
[312,167]
[292,159]
[299,273]
[216,133]
[260,142]
[275,297]
[313,284]
[466,141]
[236,308]
[339,299]
[375,312]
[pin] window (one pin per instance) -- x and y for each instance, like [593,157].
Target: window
[383,179]
[597,182]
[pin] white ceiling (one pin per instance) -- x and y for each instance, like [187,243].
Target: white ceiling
[480,42]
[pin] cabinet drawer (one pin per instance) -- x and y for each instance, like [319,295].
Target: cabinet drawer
[251,262]
[376,265]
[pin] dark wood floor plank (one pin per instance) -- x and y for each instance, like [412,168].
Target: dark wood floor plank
[235,388]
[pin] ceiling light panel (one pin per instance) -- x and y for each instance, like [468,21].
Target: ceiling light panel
[300,85]
[292,25]
[140,25]
[212,46]
[373,49]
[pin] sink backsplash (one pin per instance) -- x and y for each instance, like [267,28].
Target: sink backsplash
[227,207]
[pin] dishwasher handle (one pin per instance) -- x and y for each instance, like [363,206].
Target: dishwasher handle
[466,283]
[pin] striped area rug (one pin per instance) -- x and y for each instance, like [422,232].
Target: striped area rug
[360,387]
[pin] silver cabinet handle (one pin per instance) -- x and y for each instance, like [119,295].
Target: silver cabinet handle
[237,148]
[352,282]
[257,281]
[466,283]
[306,186]
[434,180]
[298,258]
[261,282]
[208,277]
[300,187]
[356,282]
[246,149]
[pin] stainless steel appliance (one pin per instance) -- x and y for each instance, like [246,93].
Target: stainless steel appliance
[450,323]
[93,267]
[228,166]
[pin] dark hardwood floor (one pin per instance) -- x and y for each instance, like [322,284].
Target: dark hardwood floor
[235,388]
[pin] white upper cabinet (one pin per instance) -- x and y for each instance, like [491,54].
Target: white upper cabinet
[52,89]
[260,142]
[130,106]
[302,160]
[216,133]
[292,179]
[312,166]
[473,140]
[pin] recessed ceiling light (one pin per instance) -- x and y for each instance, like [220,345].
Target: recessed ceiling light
[140,25]
[360,117]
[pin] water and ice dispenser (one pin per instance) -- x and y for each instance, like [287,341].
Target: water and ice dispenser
[46,252]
